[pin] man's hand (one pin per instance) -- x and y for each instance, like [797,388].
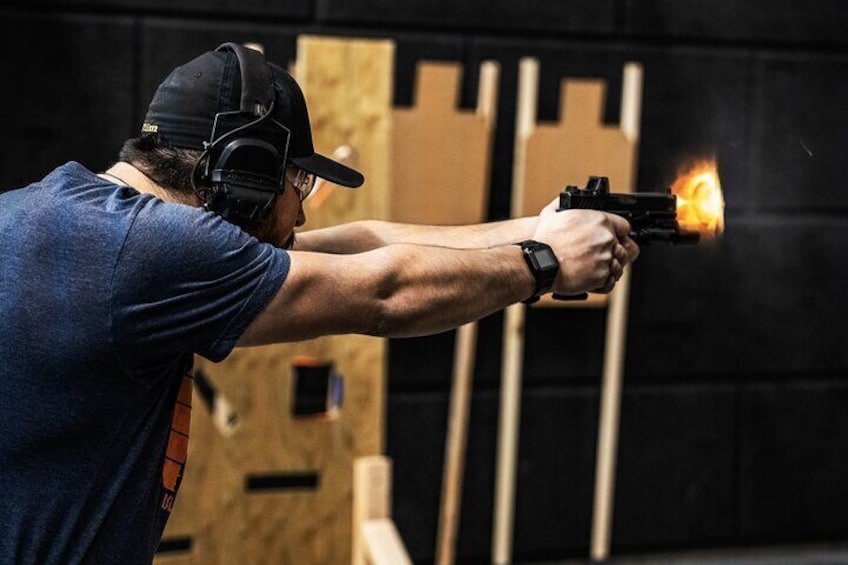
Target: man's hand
[592,248]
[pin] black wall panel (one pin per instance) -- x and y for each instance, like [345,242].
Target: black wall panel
[824,21]
[758,302]
[675,479]
[407,369]
[72,102]
[553,495]
[415,441]
[695,107]
[560,345]
[799,133]
[583,16]
[298,9]
[413,12]
[677,466]
[792,461]
[417,422]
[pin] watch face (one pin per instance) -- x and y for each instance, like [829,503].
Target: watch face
[546,259]
[543,264]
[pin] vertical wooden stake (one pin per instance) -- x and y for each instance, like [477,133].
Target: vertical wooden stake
[372,480]
[466,342]
[510,416]
[375,539]
[463,369]
[608,420]
[614,354]
[513,354]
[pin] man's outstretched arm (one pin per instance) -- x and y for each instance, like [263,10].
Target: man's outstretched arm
[403,290]
[397,290]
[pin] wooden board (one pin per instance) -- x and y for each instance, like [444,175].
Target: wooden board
[347,84]
[375,539]
[440,154]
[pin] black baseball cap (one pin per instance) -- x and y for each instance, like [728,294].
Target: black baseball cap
[185,104]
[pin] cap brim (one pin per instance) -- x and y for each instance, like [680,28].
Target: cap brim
[330,170]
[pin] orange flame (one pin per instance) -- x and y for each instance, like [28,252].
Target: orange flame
[700,203]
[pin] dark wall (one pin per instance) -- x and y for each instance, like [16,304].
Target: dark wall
[734,419]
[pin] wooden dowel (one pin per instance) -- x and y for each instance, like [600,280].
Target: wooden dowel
[614,353]
[372,499]
[466,344]
[608,420]
[487,91]
[513,352]
[510,415]
[631,102]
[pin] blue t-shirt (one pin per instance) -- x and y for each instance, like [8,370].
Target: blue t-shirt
[105,294]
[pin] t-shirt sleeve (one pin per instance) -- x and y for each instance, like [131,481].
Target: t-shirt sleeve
[186,281]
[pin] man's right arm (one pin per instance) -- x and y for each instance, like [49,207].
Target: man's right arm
[406,290]
[394,291]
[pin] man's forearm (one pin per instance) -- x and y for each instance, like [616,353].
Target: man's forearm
[435,289]
[361,236]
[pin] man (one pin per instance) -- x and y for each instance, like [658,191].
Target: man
[110,282]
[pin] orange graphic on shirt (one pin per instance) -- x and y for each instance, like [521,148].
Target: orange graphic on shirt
[175,453]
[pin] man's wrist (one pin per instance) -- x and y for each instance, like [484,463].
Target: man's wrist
[543,266]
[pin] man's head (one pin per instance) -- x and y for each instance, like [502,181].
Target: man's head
[231,128]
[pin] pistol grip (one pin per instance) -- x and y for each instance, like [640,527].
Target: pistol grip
[582,296]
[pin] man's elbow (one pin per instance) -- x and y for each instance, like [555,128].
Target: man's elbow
[386,318]
[389,314]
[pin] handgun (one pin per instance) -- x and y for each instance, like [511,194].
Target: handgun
[652,215]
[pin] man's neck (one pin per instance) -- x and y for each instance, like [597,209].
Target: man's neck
[126,174]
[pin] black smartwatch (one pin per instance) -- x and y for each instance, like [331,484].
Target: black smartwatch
[543,265]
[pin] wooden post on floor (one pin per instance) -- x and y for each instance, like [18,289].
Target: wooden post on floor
[375,538]
[513,352]
[457,436]
[614,353]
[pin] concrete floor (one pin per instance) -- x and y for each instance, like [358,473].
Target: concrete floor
[822,554]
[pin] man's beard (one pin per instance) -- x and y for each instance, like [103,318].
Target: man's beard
[267,233]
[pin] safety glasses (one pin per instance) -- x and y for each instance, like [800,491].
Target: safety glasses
[301,180]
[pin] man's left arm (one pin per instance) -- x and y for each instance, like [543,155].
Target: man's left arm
[366,235]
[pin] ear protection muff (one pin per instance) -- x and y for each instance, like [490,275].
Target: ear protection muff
[242,168]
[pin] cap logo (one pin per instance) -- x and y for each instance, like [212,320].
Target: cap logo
[149,128]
